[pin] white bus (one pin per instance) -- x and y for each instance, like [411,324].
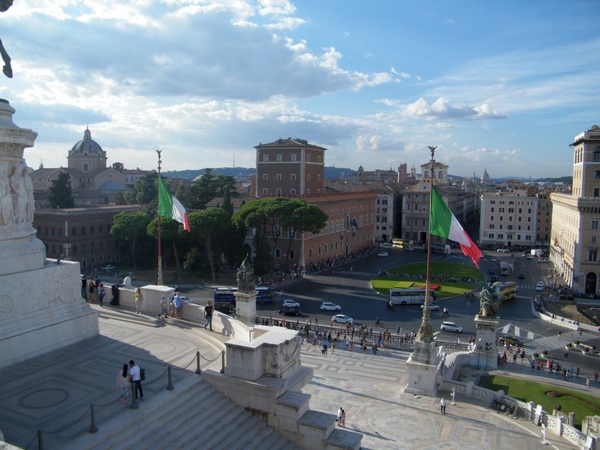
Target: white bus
[409,296]
[504,268]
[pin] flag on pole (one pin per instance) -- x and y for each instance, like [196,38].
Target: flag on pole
[444,224]
[170,207]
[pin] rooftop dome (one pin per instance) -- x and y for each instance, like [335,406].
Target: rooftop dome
[87,146]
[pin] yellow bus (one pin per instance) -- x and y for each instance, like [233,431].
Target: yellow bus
[401,243]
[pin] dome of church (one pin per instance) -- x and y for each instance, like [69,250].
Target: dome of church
[87,146]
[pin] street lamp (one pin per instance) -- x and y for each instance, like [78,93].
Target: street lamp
[488,347]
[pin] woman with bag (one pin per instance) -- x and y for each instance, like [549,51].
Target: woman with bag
[123,383]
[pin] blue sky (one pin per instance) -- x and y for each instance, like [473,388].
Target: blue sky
[502,86]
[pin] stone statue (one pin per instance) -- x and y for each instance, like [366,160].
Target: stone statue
[488,302]
[245,276]
[19,193]
[6,201]
[28,186]
[7,68]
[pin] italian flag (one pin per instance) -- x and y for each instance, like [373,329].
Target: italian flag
[442,223]
[170,207]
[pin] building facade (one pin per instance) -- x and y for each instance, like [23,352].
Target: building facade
[80,234]
[508,219]
[575,230]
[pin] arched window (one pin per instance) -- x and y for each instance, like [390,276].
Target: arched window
[60,231]
[277,253]
[292,254]
[92,229]
[73,231]
[310,252]
[82,230]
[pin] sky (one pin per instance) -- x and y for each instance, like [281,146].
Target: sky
[497,86]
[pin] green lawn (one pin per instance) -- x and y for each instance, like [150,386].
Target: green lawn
[439,269]
[546,395]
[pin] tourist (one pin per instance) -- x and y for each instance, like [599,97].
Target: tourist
[208,315]
[138,300]
[588,381]
[136,377]
[114,290]
[101,293]
[123,383]
[443,405]
[178,304]
[163,307]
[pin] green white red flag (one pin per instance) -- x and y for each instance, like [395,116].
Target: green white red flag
[170,207]
[444,224]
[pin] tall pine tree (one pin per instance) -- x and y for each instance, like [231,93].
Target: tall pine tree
[60,194]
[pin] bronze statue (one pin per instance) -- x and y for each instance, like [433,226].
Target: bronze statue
[488,302]
[245,276]
[7,68]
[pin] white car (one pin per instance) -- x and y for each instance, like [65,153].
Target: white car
[540,286]
[291,303]
[341,318]
[328,306]
[503,250]
[432,307]
[109,267]
[494,260]
[451,326]
[382,254]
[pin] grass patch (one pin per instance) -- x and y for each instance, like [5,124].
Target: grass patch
[407,276]
[567,310]
[547,395]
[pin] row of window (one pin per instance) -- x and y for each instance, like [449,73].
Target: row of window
[509,227]
[57,249]
[333,246]
[293,158]
[510,219]
[53,230]
[279,192]
[279,177]
[500,236]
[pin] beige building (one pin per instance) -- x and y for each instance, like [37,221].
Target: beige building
[508,219]
[575,231]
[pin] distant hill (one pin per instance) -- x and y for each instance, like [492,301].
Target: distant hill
[330,172]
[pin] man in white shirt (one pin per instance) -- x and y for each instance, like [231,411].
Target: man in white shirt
[135,376]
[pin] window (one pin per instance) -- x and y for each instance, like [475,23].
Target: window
[308,160]
[92,229]
[82,230]
[596,155]
[294,157]
[73,231]
[491,226]
[74,249]
[265,191]
[310,252]
[277,253]
[593,239]
[308,177]
[279,158]
[596,192]
[85,167]
[278,176]
[292,191]
[293,177]
[492,209]
[592,255]
[318,159]
[293,254]
[45,230]
[266,158]
[491,236]
[597,174]
[594,224]
[53,231]
[265,176]
[278,192]
[100,229]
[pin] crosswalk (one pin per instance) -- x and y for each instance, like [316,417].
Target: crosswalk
[537,343]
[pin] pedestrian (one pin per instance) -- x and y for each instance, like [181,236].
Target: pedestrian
[208,315]
[596,376]
[340,417]
[114,290]
[443,405]
[588,381]
[123,383]
[163,307]
[138,300]
[178,304]
[136,376]
[83,286]
[101,293]
[332,348]
[90,292]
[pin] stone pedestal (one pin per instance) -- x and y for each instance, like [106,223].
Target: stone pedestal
[245,303]
[41,308]
[422,370]
[486,353]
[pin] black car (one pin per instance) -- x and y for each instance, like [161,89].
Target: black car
[290,310]
[511,340]
[521,276]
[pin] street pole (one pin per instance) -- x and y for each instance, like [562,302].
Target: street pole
[159,277]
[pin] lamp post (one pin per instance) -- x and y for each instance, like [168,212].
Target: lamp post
[488,347]
[159,274]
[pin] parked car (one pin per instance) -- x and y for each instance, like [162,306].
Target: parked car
[410,248]
[291,303]
[451,326]
[503,250]
[328,306]
[521,276]
[382,254]
[494,260]
[540,286]
[511,340]
[432,307]
[341,318]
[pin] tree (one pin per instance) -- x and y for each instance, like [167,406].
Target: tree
[273,216]
[60,194]
[207,226]
[129,226]
[169,231]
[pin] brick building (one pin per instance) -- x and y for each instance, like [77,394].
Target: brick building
[80,234]
[295,168]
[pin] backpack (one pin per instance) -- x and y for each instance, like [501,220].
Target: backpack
[142,374]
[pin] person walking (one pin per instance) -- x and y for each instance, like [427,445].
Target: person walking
[138,300]
[136,376]
[101,293]
[114,290]
[588,381]
[341,417]
[163,307]
[208,315]
[178,304]
[123,383]
[443,405]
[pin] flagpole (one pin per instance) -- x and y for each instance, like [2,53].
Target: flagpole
[159,277]
[425,333]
